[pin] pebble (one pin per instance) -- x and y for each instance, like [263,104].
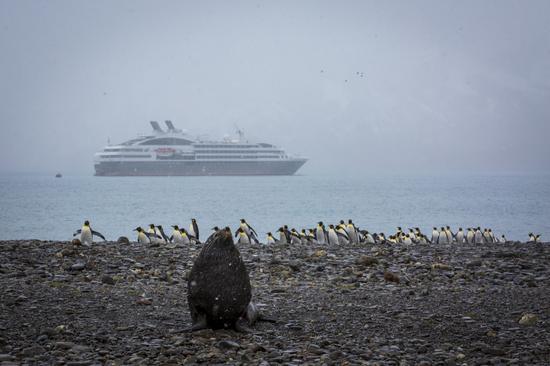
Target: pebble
[451,304]
[78,266]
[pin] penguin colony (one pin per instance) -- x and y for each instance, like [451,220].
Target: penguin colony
[335,234]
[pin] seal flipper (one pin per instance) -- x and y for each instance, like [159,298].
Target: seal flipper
[241,326]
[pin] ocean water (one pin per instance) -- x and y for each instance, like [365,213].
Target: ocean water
[48,208]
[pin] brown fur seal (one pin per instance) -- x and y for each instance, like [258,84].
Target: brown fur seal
[218,287]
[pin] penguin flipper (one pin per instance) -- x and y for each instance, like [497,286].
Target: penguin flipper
[342,235]
[77,232]
[96,233]
[252,230]
[171,237]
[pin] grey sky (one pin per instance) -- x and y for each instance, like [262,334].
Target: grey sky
[461,85]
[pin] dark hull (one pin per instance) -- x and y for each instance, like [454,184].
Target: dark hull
[185,168]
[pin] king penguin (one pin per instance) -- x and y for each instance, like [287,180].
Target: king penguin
[242,236]
[295,237]
[86,234]
[160,232]
[176,235]
[282,236]
[249,230]
[368,238]
[142,236]
[478,236]
[470,236]
[460,236]
[443,238]
[352,232]
[194,229]
[270,239]
[153,237]
[343,237]
[320,233]
[185,237]
[487,236]
[435,235]
[332,236]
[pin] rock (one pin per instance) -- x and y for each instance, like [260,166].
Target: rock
[320,253]
[228,344]
[108,280]
[33,351]
[6,357]
[441,266]
[144,301]
[76,241]
[78,266]
[528,319]
[366,261]
[64,345]
[123,240]
[391,277]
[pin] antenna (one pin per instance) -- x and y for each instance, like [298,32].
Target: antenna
[239,132]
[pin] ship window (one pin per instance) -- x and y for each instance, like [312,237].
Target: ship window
[167,141]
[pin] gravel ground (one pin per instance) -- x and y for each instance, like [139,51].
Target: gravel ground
[121,304]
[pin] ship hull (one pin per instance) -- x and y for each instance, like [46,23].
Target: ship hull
[197,168]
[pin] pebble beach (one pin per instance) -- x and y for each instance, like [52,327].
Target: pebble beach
[121,304]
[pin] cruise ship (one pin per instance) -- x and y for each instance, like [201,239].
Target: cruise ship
[173,152]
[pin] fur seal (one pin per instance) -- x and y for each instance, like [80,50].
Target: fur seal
[218,287]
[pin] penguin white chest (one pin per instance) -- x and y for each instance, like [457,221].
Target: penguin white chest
[332,237]
[86,236]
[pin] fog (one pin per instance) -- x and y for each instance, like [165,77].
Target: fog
[357,87]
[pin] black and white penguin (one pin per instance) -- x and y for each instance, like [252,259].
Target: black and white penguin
[443,238]
[142,236]
[435,235]
[194,229]
[287,233]
[407,240]
[242,236]
[311,236]
[502,239]
[332,236]
[412,235]
[450,235]
[493,239]
[351,230]
[176,235]
[153,236]
[249,230]
[303,237]
[282,236]
[533,239]
[295,237]
[186,238]
[422,239]
[343,237]
[459,236]
[478,236]
[160,232]
[320,233]
[369,239]
[380,238]
[270,239]
[470,236]
[86,234]
[487,236]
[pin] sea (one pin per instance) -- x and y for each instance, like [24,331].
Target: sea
[49,208]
